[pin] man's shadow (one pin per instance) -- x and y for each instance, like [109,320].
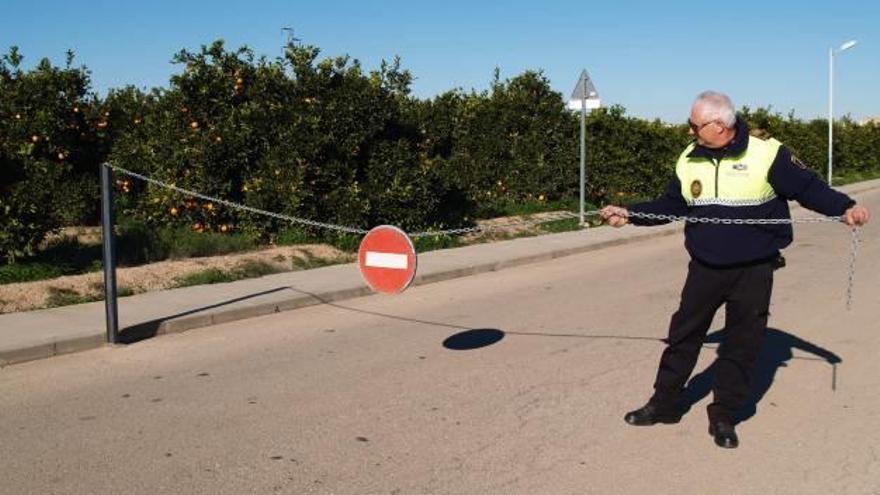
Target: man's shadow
[775,354]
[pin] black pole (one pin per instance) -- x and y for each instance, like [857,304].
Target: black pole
[109,253]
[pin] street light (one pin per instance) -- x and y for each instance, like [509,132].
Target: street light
[286,39]
[831,51]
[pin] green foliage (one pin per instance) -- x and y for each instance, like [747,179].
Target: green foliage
[61,256]
[50,148]
[28,272]
[138,243]
[533,206]
[293,235]
[184,243]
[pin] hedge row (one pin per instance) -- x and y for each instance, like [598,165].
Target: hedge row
[326,140]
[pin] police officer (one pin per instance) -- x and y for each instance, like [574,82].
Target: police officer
[725,173]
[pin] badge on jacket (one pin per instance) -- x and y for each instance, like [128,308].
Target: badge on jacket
[696,188]
[796,161]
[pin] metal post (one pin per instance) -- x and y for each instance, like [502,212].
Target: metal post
[830,112]
[109,239]
[583,144]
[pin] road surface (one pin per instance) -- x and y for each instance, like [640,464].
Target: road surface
[512,382]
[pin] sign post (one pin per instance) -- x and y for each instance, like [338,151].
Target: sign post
[584,96]
[387,259]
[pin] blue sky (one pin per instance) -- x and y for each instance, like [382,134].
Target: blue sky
[651,57]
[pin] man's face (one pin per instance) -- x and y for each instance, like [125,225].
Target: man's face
[709,133]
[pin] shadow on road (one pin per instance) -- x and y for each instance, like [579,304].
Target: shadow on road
[473,339]
[148,329]
[777,351]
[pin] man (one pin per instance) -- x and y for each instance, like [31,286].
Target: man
[725,173]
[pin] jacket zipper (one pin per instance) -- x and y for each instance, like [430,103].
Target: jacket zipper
[717,166]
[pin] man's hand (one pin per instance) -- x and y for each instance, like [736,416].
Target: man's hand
[856,216]
[616,216]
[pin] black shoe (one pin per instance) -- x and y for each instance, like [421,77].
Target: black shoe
[724,433]
[651,414]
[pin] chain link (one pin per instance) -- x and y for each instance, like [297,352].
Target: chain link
[854,249]
[731,221]
[237,206]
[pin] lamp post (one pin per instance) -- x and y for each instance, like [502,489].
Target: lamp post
[831,52]
[286,39]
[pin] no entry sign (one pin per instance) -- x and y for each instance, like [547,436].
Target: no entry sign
[387,259]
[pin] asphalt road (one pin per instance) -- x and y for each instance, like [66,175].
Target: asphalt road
[508,382]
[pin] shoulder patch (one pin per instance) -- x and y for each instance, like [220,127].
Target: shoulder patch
[797,162]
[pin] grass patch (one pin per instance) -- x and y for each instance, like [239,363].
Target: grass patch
[62,256]
[28,272]
[138,244]
[851,177]
[434,242]
[184,243]
[205,277]
[246,269]
[59,296]
[292,236]
[307,261]
[342,241]
[565,225]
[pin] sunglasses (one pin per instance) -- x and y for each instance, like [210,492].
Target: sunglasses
[697,128]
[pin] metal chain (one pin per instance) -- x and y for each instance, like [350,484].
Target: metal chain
[732,221]
[237,206]
[556,216]
[852,265]
[769,221]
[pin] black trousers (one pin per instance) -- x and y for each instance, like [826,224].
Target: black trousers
[745,292]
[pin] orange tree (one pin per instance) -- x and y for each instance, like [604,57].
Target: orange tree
[316,139]
[511,144]
[50,148]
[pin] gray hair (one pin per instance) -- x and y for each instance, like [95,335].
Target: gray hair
[717,106]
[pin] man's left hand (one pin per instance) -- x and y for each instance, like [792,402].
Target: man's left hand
[856,216]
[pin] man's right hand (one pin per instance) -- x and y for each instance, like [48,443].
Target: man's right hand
[616,216]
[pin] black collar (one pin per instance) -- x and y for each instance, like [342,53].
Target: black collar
[735,147]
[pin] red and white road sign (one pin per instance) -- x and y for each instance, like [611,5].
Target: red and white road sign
[387,259]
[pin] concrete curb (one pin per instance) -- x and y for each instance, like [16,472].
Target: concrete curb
[204,318]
